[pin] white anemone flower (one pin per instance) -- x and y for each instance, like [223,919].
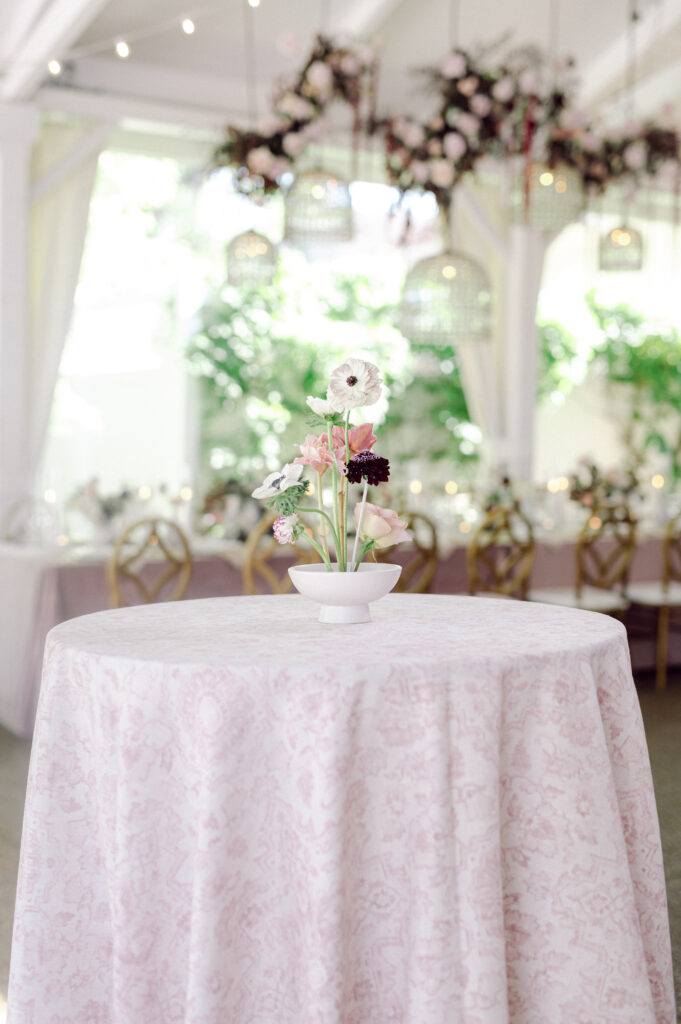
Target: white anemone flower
[276,483]
[353,384]
[320,406]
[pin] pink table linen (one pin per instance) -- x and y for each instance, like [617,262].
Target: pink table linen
[237,815]
[38,590]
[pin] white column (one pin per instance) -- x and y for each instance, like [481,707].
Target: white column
[521,348]
[18,129]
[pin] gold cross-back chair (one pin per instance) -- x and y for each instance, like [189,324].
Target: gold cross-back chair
[265,567]
[603,553]
[501,553]
[421,557]
[151,561]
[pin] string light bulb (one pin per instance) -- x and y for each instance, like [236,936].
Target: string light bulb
[188,26]
[122,49]
[54,67]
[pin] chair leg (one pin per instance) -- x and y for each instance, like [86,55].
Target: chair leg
[662,647]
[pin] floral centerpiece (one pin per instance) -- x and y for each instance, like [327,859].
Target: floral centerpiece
[99,508]
[344,452]
[590,486]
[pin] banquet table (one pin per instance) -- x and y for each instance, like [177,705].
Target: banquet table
[238,815]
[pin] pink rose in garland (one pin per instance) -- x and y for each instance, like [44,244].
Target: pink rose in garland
[345,451]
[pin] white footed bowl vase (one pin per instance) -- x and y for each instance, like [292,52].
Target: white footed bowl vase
[345,596]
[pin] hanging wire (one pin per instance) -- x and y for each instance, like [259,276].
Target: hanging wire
[554,26]
[324,17]
[454,23]
[632,19]
[249,50]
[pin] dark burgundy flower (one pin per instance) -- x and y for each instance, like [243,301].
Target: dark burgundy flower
[366,464]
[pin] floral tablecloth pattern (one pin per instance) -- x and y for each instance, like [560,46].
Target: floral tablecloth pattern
[238,815]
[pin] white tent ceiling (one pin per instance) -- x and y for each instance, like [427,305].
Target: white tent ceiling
[201,80]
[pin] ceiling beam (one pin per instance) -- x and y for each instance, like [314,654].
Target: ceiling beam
[606,77]
[23,18]
[211,99]
[59,27]
[116,107]
[362,17]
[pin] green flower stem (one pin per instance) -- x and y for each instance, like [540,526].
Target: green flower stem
[320,508]
[324,557]
[359,524]
[336,513]
[321,512]
[346,488]
[367,546]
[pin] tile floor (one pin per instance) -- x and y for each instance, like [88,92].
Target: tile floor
[662,715]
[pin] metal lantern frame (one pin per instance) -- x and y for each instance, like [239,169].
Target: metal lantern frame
[446,298]
[621,249]
[318,209]
[549,198]
[251,260]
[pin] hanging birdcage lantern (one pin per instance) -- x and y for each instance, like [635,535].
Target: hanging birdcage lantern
[548,198]
[446,298]
[621,249]
[251,260]
[317,209]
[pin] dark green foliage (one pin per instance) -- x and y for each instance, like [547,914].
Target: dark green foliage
[648,360]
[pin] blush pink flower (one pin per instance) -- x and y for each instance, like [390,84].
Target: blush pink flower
[382,525]
[315,452]
[360,439]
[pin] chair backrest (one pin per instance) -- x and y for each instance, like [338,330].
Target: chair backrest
[420,563]
[605,547]
[671,552]
[501,554]
[265,569]
[158,544]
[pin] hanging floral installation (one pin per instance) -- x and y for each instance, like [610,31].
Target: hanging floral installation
[331,73]
[501,112]
[505,113]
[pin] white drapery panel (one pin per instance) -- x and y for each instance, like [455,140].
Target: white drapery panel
[500,375]
[63,173]
[481,362]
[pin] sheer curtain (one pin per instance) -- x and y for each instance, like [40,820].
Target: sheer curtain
[481,361]
[500,374]
[63,174]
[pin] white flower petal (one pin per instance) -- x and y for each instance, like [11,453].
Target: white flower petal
[355,383]
[320,406]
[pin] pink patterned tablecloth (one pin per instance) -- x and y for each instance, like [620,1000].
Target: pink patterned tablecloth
[237,815]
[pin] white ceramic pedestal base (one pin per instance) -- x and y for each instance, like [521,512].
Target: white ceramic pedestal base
[345,596]
[343,613]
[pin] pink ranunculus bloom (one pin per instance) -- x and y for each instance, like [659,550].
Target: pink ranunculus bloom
[315,452]
[382,525]
[285,528]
